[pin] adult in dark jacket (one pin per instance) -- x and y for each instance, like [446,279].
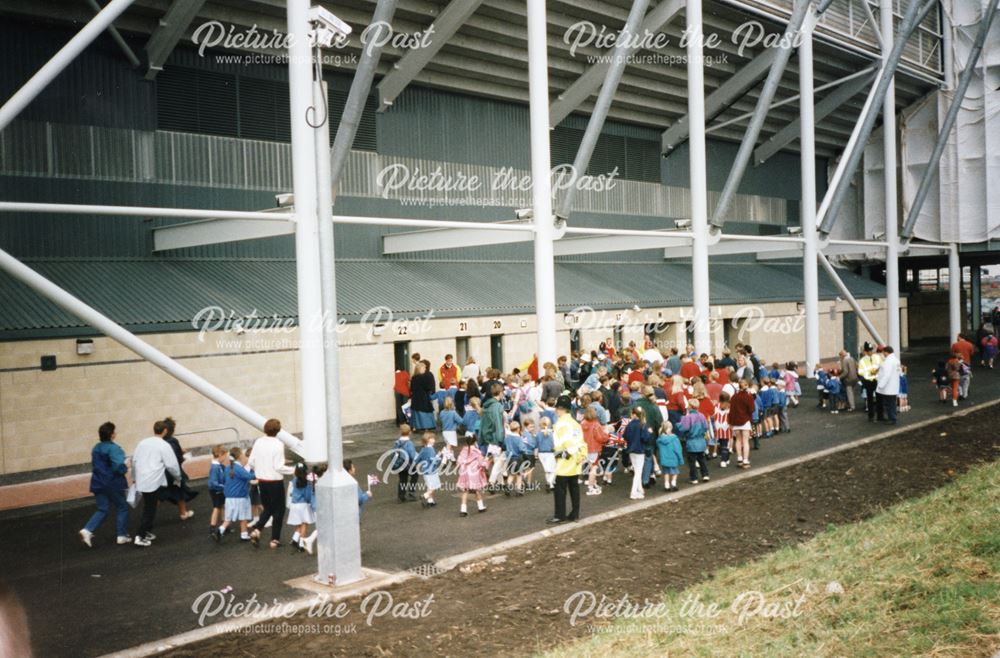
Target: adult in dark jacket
[177,491]
[422,390]
[491,432]
[654,420]
[848,375]
[638,440]
[740,420]
[491,424]
[107,483]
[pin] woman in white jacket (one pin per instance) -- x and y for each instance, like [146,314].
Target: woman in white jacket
[267,461]
[887,387]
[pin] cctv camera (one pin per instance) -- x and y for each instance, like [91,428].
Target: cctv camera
[285,200]
[524,214]
[326,28]
[794,230]
[682,223]
[636,308]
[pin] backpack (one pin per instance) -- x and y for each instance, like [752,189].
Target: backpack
[400,459]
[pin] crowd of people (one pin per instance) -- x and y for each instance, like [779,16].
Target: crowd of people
[877,377]
[247,488]
[584,419]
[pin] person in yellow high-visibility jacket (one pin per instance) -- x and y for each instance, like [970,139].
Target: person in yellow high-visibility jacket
[868,367]
[571,452]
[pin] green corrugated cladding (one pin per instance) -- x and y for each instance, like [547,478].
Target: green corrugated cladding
[98,88]
[149,295]
[778,177]
[83,236]
[438,125]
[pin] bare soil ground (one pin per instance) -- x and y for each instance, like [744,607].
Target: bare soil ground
[517,604]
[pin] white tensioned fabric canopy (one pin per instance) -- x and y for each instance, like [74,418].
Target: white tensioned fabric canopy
[964,204]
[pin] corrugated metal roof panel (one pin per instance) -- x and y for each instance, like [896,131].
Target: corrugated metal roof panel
[151,294]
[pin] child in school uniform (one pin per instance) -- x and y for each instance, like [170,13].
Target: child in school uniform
[756,420]
[427,464]
[513,452]
[668,448]
[766,397]
[530,438]
[301,505]
[472,417]
[723,432]
[217,486]
[545,449]
[904,390]
[404,455]
[547,410]
[821,378]
[835,390]
[782,396]
[450,420]
[237,492]
[471,475]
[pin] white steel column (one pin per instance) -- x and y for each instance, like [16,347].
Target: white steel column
[889,172]
[339,532]
[34,86]
[954,293]
[307,271]
[807,140]
[541,184]
[699,177]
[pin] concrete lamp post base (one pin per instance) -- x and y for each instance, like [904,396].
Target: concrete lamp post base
[339,541]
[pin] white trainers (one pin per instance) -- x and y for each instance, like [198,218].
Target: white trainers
[954,403]
[150,536]
[269,522]
[187,515]
[124,539]
[723,464]
[86,536]
[309,542]
[142,541]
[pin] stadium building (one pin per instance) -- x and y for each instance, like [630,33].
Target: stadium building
[186,105]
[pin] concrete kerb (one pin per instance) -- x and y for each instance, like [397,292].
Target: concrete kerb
[449,563]
[379,580]
[375,580]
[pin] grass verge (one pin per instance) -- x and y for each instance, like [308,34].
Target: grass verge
[920,579]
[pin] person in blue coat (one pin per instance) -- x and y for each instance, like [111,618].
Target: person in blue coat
[637,438]
[217,486]
[668,448]
[694,426]
[403,457]
[107,483]
[514,451]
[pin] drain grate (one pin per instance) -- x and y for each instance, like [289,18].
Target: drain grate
[426,570]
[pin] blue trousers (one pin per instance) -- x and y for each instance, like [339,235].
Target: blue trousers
[647,468]
[104,501]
